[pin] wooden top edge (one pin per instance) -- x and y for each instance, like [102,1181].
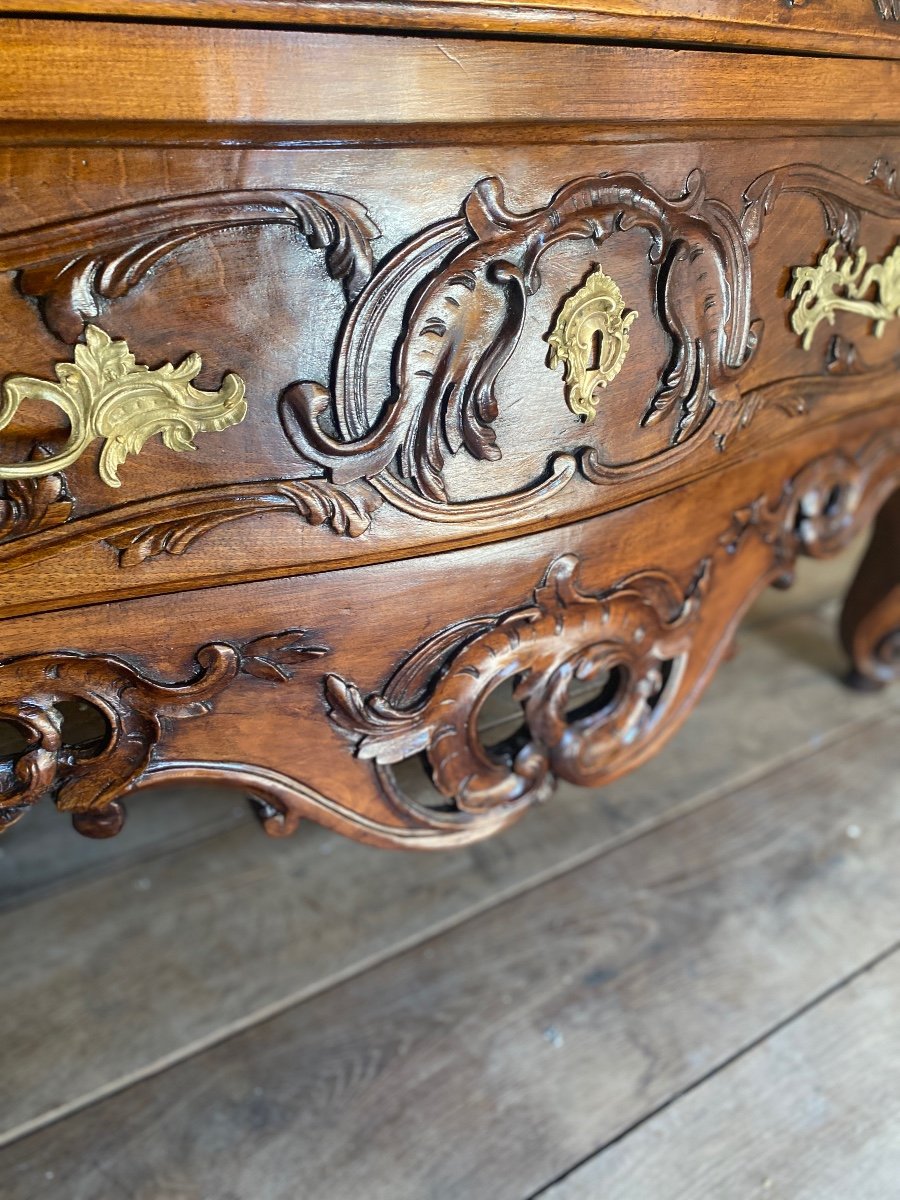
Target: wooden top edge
[105,71]
[174,134]
[861,35]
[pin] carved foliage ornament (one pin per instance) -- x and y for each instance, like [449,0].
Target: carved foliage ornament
[631,640]
[453,300]
[637,642]
[590,339]
[72,285]
[89,781]
[106,394]
[30,504]
[641,646]
[469,283]
[818,510]
[74,268]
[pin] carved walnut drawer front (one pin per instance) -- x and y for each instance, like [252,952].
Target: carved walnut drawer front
[348,379]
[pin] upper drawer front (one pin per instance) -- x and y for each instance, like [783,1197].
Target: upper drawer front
[372,352]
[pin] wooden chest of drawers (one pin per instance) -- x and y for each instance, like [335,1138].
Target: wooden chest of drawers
[353,378]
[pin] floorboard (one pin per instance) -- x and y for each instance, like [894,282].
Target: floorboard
[486,1062]
[212,937]
[811,1113]
[40,854]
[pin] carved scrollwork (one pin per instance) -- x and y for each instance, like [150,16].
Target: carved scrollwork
[346,511]
[632,638]
[452,302]
[841,199]
[475,278]
[144,530]
[29,505]
[72,268]
[818,510]
[89,781]
[602,679]
[646,644]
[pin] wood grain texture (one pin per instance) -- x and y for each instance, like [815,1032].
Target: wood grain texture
[533,1034]
[854,28]
[48,859]
[370,708]
[42,856]
[246,927]
[362,296]
[351,274]
[811,1114]
[176,74]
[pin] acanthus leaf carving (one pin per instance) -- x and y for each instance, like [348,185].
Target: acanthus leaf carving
[35,503]
[817,511]
[346,511]
[89,782]
[647,642]
[467,314]
[644,646]
[72,284]
[274,654]
[466,284]
[141,531]
[841,199]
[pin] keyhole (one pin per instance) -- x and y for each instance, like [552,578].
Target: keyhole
[596,346]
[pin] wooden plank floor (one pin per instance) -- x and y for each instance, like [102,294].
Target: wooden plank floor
[683,986]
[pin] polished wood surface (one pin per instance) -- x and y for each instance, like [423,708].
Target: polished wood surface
[331,269]
[319,80]
[307,1005]
[261,498]
[855,27]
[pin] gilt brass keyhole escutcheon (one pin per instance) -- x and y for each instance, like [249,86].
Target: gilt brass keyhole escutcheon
[590,339]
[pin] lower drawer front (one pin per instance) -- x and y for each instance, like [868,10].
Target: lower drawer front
[389,351]
[319,695]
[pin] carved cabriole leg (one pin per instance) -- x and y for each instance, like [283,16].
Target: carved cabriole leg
[870,622]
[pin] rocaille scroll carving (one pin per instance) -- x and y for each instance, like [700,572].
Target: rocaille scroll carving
[34,503]
[638,640]
[475,277]
[74,268]
[633,638]
[89,781]
[644,646]
[452,302]
[73,285]
[817,511]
